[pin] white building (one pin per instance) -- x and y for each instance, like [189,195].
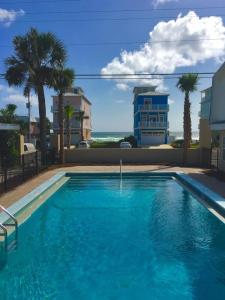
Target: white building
[217,114]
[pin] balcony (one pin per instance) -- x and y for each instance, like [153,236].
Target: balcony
[54,108]
[153,107]
[151,125]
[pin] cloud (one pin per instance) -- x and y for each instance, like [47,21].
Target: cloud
[20,99]
[11,95]
[171,101]
[188,41]
[120,101]
[159,2]
[122,86]
[7,17]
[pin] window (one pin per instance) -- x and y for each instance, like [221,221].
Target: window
[161,118]
[224,148]
[148,101]
[153,133]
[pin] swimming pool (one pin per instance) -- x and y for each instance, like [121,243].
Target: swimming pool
[99,238]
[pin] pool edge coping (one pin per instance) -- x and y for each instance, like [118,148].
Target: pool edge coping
[21,203]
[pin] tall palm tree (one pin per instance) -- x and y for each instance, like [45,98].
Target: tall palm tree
[69,112]
[35,56]
[187,83]
[62,79]
[82,117]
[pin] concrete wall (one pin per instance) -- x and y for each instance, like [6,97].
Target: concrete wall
[196,157]
[205,135]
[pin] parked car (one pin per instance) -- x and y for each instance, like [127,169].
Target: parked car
[84,145]
[29,148]
[125,145]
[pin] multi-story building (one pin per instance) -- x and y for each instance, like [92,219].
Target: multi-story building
[34,128]
[217,113]
[81,119]
[205,136]
[150,116]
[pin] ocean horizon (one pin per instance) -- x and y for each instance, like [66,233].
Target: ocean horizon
[115,136]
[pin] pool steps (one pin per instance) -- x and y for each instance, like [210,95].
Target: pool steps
[4,226]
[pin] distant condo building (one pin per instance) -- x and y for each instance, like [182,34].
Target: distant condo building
[150,116]
[81,119]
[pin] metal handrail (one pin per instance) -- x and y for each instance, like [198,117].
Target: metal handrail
[5,234]
[121,172]
[14,220]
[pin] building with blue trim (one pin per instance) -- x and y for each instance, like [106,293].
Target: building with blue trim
[150,116]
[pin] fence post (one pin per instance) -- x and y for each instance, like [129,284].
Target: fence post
[5,179]
[23,168]
[36,161]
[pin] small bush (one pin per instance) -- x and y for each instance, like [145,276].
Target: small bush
[131,139]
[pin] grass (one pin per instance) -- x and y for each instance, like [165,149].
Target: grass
[105,144]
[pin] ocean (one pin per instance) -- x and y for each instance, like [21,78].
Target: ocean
[116,136]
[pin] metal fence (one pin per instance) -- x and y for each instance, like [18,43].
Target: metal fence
[23,168]
[214,157]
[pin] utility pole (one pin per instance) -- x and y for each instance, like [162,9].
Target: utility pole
[29,114]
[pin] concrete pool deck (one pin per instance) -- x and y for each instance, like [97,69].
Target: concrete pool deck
[199,174]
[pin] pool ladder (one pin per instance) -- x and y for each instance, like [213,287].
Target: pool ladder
[8,247]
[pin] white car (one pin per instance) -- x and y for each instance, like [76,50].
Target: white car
[125,145]
[29,148]
[83,145]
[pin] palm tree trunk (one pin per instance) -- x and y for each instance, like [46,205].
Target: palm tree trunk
[187,127]
[61,127]
[42,116]
[68,133]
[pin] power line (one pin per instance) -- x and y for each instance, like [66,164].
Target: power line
[136,74]
[137,42]
[145,74]
[38,2]
[111,19]
[123,10]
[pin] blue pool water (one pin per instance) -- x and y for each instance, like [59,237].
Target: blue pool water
[96,239]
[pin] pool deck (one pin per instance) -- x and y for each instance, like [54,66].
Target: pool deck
[199,174]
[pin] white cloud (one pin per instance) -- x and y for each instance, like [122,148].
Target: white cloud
[120,101]
[154,56]
[122,86]
[171,101]
[11,95]
[20,99]
[9,16]
[159,2]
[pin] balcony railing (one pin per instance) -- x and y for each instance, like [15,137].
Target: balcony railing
[54,108]
[153,107]
[153,124]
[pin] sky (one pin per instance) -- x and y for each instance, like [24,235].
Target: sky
[117,37]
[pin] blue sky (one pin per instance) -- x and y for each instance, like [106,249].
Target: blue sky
[112,102]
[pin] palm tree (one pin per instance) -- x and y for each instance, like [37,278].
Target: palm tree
[62,79]
[187,83]
[69,112]
[36,55]
[8,114]
[82,117]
